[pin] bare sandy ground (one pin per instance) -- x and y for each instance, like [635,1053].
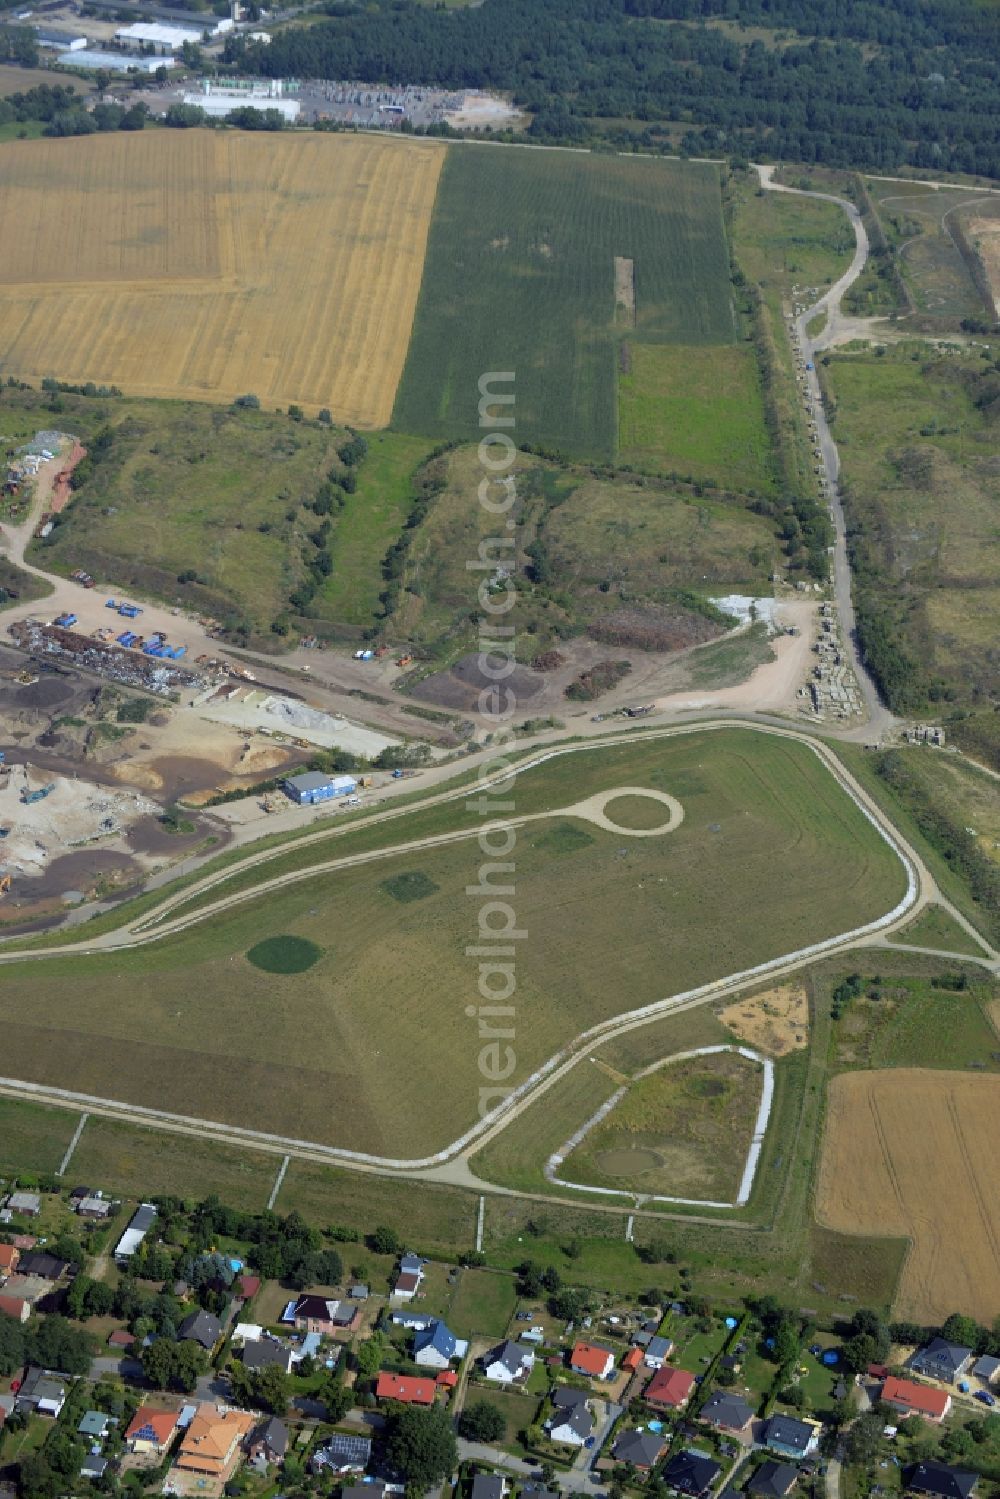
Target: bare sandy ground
[775,1021]
[479,110]
[772,687]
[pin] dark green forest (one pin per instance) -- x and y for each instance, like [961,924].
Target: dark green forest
[867,83]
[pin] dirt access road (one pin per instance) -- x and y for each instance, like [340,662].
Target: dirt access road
[880,720]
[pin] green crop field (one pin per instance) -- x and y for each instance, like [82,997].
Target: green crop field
[361,1039]
[520,275]
[696,411]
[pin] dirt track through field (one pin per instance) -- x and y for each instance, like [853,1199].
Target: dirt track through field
[910,1152]
[209,265]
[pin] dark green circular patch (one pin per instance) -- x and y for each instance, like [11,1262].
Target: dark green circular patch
[284,954]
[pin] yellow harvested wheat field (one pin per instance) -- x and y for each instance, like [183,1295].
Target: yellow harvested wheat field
[208,264]
[913,1152]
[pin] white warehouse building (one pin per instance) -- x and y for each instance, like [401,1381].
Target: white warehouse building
[119,62]
[219,104]
[166,38]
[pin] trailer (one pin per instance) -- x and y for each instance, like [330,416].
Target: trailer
[129,611]
[65,620]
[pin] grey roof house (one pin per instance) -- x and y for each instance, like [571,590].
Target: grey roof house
[201,1327]
[941,1360]
[640,1448]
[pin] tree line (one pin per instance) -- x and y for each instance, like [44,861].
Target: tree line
[875,86]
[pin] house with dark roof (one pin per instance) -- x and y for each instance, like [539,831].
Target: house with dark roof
[325,1316]
[202,1328]
[773,1480]
[376,1490]
[267,1353]
[268,1443]
[987,1368]
[790,1437]
[43,1266]
[489,1486]
[669,1389]
[691,1473]
[41,1392]
[641,1449]
[941,1481]
[435,1346]
[570,1425]
[508,1364]
[727,1412]
[941,1360]
[343,1453]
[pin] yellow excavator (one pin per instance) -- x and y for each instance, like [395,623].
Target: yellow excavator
[4,884]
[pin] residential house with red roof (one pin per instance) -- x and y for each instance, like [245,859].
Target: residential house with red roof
[593,1360]
[669,1389]
[912,1399]
[405,1388]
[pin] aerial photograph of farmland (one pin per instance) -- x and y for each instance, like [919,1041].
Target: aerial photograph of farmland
[500,749]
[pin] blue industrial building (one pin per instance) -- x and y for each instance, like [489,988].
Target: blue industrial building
[314,786]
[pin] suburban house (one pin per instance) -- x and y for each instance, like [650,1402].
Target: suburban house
[16,1307]
[727,1412]
[96,1208]
[912,1399]
[211,1444]
[632,1360]
[94,1425]
[359,1291]
[411,1273]
[773,1480]
[941,1360]
[120,1337]
[508,1363]
[406,1388]
[436,1345]
[570,1422]
[41,1392]
[141,1222]
[658,1350]
[42,1266]
[593,1360]
[791,1437]
[24,1204]
[317,1314]
[269,1442]
[691,1473]
[151,1430]
[669,1389]
[941,1481]
[641,1449]
[9,1255]
[93,1466]
[265,1353]
[376,1490]
[202,1328]
[343,1453]
[489,1486]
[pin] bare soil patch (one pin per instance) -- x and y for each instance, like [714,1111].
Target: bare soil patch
[460,686]
[654,628]
[775,1021]
[625,290]
[911,1152]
